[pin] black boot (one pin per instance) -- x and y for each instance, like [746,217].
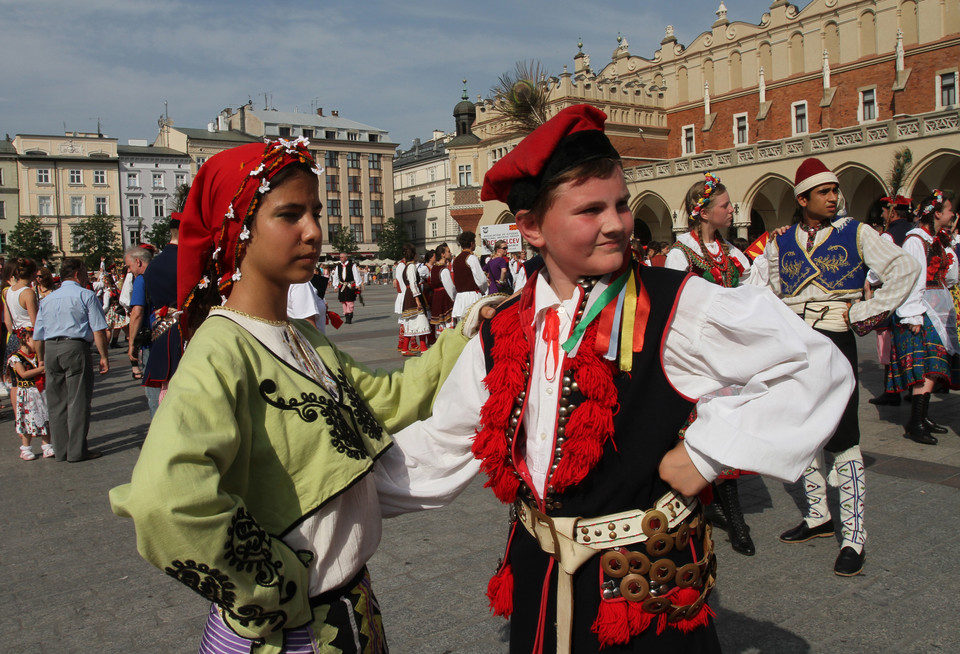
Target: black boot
[915,429]
[737,529]
[886,399]
[348,317]
[931,426]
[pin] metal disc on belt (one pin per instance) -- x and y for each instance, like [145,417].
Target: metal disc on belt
[662,571]
[638,563]
[614,564]
[656,605]
[654,522]
[688,575]
[634,588]
[659,544]
[682,537]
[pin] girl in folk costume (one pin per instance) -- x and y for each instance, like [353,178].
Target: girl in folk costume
[704,252]
[416,324]
[241,493]
[925,347]
[31,408]
[444,292]
[400,286]
[117,318]
[573,397]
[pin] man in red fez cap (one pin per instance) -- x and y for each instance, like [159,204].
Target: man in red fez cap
[554,397]
[818,267]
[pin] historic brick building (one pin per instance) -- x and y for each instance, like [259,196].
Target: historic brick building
[849,81]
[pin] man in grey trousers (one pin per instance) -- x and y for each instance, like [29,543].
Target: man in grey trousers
[70,319]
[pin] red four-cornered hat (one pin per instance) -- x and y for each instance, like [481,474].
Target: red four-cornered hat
[572,137]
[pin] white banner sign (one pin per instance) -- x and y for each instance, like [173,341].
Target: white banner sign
[490,234]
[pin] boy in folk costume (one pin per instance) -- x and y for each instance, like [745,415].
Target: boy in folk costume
[819,267]
[573,397]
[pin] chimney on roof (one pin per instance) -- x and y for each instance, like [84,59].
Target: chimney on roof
[335,112]
[437,134]
[211,126]
[320,111]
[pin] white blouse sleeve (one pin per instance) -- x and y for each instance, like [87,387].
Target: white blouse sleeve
[479,277]
[911,311]
[431,461]
[447,280]
[676,260]
[793,383]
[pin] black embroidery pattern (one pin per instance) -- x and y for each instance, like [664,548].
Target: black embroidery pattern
[361,412]
[208,582]
[311,406]
[248,550]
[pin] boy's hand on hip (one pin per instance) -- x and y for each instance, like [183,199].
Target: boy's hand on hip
[678,470]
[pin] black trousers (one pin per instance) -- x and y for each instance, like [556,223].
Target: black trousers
[848,431]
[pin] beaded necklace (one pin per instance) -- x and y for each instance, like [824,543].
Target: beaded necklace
[582,429]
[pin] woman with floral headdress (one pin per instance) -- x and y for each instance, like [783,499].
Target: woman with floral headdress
[925,346]
[703,251]
[254,487]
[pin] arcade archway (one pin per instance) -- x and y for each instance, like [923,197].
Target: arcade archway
[651,219]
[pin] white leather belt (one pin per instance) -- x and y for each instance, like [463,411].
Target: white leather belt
[574,541]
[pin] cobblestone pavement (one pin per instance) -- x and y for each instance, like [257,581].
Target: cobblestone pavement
[73,582]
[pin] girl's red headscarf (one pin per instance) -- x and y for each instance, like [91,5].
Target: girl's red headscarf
[215,223]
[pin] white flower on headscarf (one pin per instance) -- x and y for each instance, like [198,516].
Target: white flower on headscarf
[223,299]
[216,253]
[230,215]
[245,234]
[318,169]
[235,276]
[256,171]
[204,282]
[264,187]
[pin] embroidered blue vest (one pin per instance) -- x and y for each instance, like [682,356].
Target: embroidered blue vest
[836,265]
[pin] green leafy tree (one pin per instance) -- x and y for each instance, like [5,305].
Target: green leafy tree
[31,239]
[392,238]
[159,233]
[95,237]
[343,241]
[180,200]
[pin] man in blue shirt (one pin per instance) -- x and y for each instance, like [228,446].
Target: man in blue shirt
[69,319]
[137,259]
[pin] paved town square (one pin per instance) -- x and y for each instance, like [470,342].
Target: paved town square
[73,581]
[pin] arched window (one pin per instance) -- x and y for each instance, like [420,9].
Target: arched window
[708,76]
[683,86]
[766,61]
[909,23]
[736,70]
[796,53]
[868,34]
[831,42]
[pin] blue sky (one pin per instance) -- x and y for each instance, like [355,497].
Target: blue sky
[394,65]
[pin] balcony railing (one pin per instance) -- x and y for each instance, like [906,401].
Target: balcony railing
[897,129]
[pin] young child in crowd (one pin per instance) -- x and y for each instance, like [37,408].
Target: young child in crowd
[31,407]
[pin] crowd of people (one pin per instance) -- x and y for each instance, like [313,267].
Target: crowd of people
[607,394]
